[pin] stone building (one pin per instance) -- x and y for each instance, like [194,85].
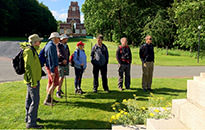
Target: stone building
[73,26]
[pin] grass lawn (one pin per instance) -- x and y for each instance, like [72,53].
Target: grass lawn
[175,57]
[90,110]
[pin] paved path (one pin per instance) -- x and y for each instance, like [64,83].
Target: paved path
[10,49]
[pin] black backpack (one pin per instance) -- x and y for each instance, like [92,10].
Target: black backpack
[18,62]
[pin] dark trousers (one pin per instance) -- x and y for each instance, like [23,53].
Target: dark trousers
[78,78]
[124,69]
[103,70]
[32,103]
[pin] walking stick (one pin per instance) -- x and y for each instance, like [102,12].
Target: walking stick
[66,91]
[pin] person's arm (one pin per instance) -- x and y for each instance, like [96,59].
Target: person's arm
[28,56]
[141,54]
[76,58]
[51,59]
[118,55]
[92,55]
[130,55]
[106,54]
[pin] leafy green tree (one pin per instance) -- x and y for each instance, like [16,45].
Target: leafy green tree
[188,15]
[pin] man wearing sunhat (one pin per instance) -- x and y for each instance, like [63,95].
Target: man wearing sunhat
[32,77]
[63,61]
[52,67]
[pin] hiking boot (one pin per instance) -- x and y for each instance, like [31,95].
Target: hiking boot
[38,120]
[149,89]
[120,88]
[95,91]
[58,94]
[107,91]
[80,91]
[35,127]
[55,101]
[48,100]
[76,91]
[145,90]
[48,104]
[61,92]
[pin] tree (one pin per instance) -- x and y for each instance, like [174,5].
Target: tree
[188,15]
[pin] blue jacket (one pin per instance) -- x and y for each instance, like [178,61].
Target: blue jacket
[81,59]
[51,56]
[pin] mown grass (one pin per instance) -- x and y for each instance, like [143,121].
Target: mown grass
[90,110]
[174,58]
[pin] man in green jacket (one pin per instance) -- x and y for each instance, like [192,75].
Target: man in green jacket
[32,79]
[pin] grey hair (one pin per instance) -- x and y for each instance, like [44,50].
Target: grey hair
[121,40]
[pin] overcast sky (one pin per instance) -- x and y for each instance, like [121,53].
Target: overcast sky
[59,8]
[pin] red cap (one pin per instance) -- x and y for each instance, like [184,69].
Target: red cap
[80,43]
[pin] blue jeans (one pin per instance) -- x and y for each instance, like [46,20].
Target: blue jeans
[32,103]
[78,77]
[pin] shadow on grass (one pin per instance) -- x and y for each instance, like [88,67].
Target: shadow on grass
[101,106]
[76,124]
[169,91]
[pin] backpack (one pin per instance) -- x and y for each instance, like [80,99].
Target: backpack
[18,62]
[125,56]
[42,57]
[100,59]
[71,60]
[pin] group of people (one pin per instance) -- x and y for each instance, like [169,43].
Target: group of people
[58,55]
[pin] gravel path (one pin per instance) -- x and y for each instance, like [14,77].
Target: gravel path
[10,49]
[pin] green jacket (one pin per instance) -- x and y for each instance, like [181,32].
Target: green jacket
[32,67]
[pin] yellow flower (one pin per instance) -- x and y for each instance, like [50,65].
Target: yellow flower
[143,108]
[125,113]
[117,103]
[156,110]
[112,118]
[134,95]
[124,101]
[164,108]
[151,94]
[114,108]
[121,111]
[118,115]
[151,114]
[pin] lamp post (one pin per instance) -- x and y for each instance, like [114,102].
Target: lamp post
[199,27]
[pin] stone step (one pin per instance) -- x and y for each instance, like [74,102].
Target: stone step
[191,115]
[199,78]
[202,75]
[134,127]
[196,91]
[176,103]
[163,124]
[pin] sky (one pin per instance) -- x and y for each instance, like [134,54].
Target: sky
[59,8]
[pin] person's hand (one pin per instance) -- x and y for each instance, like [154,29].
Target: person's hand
[145,65]
[34,87]
[64,62]
[82,64]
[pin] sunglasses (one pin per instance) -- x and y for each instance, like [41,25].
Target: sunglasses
[149,39]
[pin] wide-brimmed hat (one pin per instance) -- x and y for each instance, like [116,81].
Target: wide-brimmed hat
[63,36]
[34,38]
[80,43]
[54,34]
